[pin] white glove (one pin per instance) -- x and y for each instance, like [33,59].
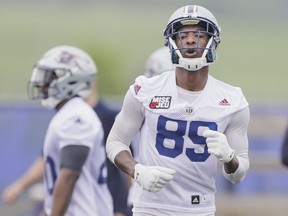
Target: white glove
[153,178]
[218,145]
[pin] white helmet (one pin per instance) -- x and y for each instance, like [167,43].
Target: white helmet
[158,62]
[192,15]
[62,73]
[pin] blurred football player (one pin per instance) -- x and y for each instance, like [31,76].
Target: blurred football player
[73,151]
[158,62]
[116,179]
[187,121]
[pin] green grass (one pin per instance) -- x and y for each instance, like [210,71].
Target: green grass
[120,40]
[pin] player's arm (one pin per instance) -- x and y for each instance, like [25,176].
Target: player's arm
[33,175]
[125,128]
[73,158]
[232,147]
[236,134]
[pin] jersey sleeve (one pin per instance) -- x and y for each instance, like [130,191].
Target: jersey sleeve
[124,131]
[236,134]
[76,130]
[73,157]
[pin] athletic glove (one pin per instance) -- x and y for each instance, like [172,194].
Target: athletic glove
[153,178]
[218,145]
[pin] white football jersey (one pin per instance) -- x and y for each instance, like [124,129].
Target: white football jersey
[171,136]
[77,123]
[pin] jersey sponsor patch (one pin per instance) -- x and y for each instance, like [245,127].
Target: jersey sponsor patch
[160,102]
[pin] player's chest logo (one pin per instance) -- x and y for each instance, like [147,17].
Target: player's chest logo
[189,110]
[160,102]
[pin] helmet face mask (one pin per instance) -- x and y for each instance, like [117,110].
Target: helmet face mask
[192,15]
[197,46]
[40,82]
[62,73]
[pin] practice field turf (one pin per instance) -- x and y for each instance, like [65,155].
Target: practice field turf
[252,53]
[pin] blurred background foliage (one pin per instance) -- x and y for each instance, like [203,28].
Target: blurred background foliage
[120,35]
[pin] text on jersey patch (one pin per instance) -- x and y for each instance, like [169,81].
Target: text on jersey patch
[160,102]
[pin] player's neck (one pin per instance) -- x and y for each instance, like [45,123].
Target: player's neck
[192,80]
[61,104]
[92,100]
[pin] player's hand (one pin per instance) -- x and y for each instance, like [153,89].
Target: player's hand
[11,193]
[218,145]
[153,178]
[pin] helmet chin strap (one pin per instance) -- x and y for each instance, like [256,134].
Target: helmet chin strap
[191,64]
[50,102]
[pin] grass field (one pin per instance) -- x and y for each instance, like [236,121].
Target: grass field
[120,37]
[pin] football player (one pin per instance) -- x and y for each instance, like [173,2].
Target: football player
[187,120]
[73,151]
[116,180]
